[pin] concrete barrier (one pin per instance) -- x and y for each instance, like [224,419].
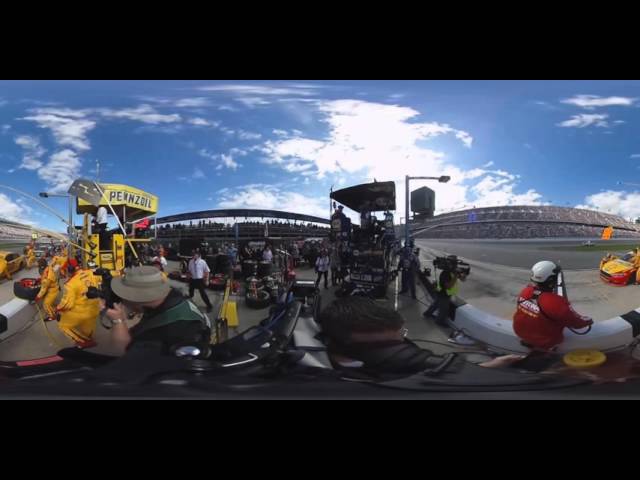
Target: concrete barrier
[15,313]
[497,333]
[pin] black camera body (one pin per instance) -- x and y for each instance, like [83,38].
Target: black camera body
[451,263]
[105,291]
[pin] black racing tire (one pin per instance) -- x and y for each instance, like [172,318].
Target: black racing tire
[25,293]
[262,300]
[632,279]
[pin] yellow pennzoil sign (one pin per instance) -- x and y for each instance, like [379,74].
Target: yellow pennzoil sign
[124,196]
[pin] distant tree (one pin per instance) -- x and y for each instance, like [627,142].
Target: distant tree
[638,220]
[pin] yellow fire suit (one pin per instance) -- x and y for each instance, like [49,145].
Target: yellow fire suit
[49,290]
[79,314]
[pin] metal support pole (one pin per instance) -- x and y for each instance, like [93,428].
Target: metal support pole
[406,210]
[71,229]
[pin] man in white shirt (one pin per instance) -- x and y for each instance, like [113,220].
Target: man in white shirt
[101,227]
[161,260]
[323,263]
[267,255]
[199,278]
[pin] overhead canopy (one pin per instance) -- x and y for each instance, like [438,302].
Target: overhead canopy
[368,197]
[125,200]
[241,213]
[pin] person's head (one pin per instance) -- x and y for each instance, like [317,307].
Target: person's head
[141,287]
[340,208]
[356,319]
[545,275]
[42,264]
[70,266]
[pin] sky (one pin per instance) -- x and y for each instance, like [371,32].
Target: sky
[284,144]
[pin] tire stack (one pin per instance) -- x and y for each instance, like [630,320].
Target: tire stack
[249,268]
[258,300]
[264,269]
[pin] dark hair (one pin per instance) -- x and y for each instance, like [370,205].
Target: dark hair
[357,314]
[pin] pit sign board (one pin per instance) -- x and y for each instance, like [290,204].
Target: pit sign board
[124,196]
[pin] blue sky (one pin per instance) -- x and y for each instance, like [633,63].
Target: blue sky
[283,144]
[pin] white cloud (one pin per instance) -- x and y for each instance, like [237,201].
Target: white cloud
[239,151]
[61,170]
[297,167]
[273,198]
[373,137]
[10,210]
[280,133]
[244,135]
[196,175]
[585,120]
[229,162]
[619,122]
[589,102]
[372,140]
[143,113]
[488,164]
[33,151]
[228,108]
[526,145]
[546,105]
[5,129]
[3,102]
[203,122]
[227,131]
[223,159]
[257,90]
[252,102]
[635,155]
[169,129]
[625,204]
[191,102]
[69,127]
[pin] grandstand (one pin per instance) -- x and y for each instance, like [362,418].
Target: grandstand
[13,231]
[202,225]
[524,222]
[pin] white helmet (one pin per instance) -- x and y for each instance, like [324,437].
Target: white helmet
[542,271]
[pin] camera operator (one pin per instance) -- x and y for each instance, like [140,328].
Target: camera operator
[168,317]
[446,288]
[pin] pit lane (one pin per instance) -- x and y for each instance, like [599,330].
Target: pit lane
[501,268]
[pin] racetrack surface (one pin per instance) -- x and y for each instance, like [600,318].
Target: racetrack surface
[494,286]
[524,253]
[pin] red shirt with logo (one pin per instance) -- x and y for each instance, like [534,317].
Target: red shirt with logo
[542,316]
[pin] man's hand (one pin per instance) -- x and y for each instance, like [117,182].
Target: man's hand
[118,312]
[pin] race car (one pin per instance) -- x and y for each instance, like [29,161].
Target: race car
[10,263]
[623,270]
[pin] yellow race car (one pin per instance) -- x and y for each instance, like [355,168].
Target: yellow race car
[10,263]
[623,270]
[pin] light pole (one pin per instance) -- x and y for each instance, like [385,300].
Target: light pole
[70,227]
[441,179]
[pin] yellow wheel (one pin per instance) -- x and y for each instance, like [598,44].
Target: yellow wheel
[584,358]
